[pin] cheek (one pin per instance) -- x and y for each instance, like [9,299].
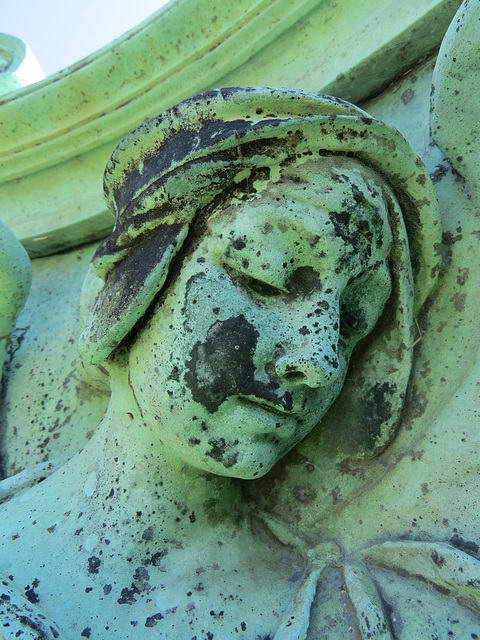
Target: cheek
[208,298]
[218,365]
[156,368]
[223,365]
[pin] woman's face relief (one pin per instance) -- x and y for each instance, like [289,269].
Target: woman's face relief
[250,344]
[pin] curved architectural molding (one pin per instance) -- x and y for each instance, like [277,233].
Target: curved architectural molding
[56,136]
[179,50]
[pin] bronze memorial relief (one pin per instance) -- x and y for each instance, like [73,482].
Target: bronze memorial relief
[255,315]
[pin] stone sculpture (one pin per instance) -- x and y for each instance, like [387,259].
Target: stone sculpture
[15,280]
[262,236]
[276,262]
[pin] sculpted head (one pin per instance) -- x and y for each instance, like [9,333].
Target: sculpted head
[255,270]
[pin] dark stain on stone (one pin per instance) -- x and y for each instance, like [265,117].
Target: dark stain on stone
[467,546]
[152,621]
[267,490]
[407,95]
[437,559]
[343,229]
[353,319]
[220,451]
[157,557]
[239,244]
[127,596]
[448,238]
[30,594]
[174,374]
[147,535]
[415,406]
[459,301]
[302,282]
[440,171]
[304,493]
[94,564]
[426,369]
[441,589]
[36,627]
[336,495]
[216,615]
[377,410]
[416,455]
[358,196]
[462,276]
[421,179]
[123,282]
[348,466]
[140,580]
[222,366]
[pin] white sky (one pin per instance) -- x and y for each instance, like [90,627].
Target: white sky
[61,32]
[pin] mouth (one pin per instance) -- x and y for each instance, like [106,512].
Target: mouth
[282,407]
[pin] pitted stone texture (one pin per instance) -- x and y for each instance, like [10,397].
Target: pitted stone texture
[48,411]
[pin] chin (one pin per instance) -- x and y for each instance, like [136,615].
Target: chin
[249,463]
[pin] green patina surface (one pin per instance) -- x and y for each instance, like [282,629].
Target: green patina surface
[52,157]
[15,280]
[341,543]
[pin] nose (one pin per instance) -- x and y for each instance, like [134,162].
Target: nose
[315,369]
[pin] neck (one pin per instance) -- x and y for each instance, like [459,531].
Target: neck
[126,468]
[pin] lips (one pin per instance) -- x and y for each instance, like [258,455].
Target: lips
[282,406]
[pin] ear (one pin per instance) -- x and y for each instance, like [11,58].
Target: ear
[128,291]
[363,419]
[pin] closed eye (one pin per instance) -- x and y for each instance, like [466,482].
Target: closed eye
[251,284]
[261,287]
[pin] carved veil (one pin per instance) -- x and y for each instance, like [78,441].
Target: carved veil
[221,141]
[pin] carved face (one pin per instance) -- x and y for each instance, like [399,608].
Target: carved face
[250,344]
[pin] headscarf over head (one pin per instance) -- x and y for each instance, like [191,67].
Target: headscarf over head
[172,167]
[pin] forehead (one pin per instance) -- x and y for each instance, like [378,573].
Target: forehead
[333,208]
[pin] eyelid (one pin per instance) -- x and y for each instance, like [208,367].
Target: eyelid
[261,287]
[254,283]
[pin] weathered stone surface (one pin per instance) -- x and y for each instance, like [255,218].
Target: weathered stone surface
[275,251]
[15,280]
[51,158]
[48,409]
[351,534]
